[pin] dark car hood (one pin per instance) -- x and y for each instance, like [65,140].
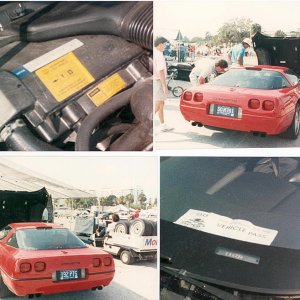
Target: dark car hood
[277,51]
[183,66]
[19,206]
[236,189]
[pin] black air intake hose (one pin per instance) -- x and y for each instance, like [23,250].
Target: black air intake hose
[136,138]
[131,20]
[83,140]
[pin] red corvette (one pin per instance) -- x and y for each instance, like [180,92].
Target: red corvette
[39,258]
[260,99]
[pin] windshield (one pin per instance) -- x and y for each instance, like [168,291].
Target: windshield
[252,79]
[47,239]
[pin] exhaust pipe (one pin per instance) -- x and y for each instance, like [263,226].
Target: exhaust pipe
[261,134]
[197,124]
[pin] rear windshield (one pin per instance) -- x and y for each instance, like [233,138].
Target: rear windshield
[253,79]
[47,239]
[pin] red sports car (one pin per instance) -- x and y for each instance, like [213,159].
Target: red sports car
[260,99]
[40,258]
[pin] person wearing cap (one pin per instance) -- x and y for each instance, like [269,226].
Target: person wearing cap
[237,52]
[204,68]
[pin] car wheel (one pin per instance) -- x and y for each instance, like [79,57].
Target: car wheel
[126,257]
[177,91]
[293,130]
[4,291]
[140,227]
[122,227]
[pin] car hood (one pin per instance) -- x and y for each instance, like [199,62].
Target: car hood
[277,51]
[183,66]
[19,206]
[250,238]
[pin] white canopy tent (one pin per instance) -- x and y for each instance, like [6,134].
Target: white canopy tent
[16,178]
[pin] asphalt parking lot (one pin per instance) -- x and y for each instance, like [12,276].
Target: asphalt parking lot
[184,136]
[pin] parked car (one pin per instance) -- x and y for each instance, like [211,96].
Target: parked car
[230,228]
[182,70]
[39,258]
[259,99]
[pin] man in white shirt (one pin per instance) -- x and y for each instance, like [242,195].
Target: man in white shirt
[159,80]
[205,68]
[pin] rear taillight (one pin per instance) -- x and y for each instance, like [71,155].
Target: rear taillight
[254,103]
[268,105]
[25,267]
[198,97]
[96,262]
[39,266]
[187,96]
[107,261]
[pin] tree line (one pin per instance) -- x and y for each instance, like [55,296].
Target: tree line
[233,32]
[110,200]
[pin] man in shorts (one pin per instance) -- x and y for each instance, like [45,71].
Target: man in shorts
[159,81]
[237,52]
[204,68]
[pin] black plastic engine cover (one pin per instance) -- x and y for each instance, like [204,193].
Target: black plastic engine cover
[99,56]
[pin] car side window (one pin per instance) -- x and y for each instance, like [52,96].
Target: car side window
[13,241]
[292,76]
[4,232]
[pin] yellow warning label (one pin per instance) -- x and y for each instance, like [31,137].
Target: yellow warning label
[106,89]
[65,76]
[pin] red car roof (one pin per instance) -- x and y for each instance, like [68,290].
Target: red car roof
[34,225]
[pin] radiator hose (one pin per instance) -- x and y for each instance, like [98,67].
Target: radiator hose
[136,138]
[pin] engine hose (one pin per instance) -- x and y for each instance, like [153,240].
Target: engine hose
[99,115]
[136,139]
[139,137]
[102,134]
[18,137]
[129,19]
[137,26]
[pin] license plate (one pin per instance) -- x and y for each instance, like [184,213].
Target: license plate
[224,110]
[68,275]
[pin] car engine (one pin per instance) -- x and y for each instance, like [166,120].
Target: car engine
[76,76]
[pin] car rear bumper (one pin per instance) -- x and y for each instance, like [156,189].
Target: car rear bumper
[42,285]
[271,125]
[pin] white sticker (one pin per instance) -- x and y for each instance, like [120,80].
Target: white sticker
[52,55]
[241,230]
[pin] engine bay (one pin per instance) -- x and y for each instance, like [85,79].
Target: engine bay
[76,76]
